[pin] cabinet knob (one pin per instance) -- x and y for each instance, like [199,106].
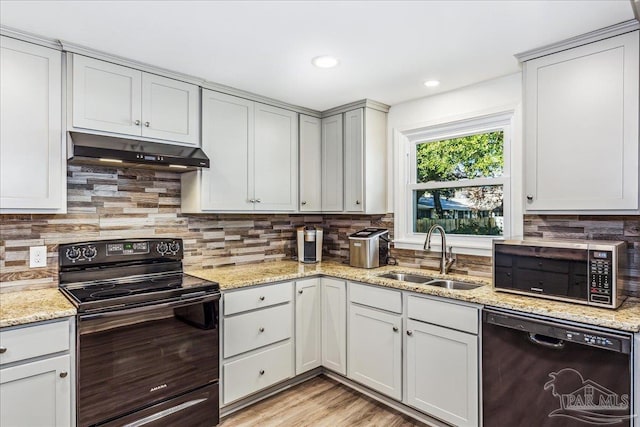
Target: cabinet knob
[303,203]
[137,122]
[258,200]
[395,329]
[261,371]
[3,350]
[357,202]
[262,298]
[529,197]
[146,124]
[261,329]
[300,291]
[410,333]
[252,200]
[63,374]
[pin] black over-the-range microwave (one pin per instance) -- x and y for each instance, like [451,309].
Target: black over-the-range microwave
[579,271]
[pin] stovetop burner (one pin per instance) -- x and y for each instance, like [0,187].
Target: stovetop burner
[115,274]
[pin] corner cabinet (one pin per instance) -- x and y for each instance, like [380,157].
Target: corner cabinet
[111,98]
[308,325]
[332,177]
[36,378]
[310,164]
[334,325]
[581,128]
[32,155]
[254,158]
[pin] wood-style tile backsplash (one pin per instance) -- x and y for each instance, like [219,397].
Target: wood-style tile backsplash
[110,203]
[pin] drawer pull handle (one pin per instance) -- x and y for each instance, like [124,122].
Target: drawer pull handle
[262,298]
[261,329]
[63,374]
[300,291]
[3,350]
[261,371]
[395,329]
[410,333]
[357,202]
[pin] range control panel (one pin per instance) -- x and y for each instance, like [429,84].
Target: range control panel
[601,276]
[109,251]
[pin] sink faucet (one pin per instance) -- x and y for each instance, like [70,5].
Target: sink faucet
[445,261]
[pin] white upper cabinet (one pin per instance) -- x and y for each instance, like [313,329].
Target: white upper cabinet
[332,164]
[275,159]
[254,158]
[32,157]
[112,98]
[169,109]
[581,128]
[310,163]
[365,165]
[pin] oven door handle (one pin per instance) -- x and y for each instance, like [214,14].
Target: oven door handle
[169,304]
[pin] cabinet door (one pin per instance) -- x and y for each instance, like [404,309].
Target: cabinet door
[442,373]
[353,161]
[31,151]
[332,165]
[334,325]
[37,393]
[310,164]
[170,109]
[308,325]
[275,159]
[375,350]
[581,128]
[227,131]
[106,96]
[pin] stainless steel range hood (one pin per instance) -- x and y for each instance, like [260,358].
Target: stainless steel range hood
[85,148]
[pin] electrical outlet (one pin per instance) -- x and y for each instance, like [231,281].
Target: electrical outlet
[37,256]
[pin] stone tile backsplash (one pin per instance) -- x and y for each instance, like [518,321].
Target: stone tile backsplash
[111,203]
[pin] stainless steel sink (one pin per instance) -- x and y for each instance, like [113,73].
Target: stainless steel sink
[413,278]
[426,280]
[453,284]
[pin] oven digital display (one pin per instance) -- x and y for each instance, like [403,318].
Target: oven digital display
[128,248]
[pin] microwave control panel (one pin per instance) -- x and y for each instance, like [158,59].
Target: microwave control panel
[600,276]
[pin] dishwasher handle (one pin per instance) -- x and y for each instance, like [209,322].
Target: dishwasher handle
[565,332]
[545,341]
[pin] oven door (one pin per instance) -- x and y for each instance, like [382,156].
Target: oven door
[133,358]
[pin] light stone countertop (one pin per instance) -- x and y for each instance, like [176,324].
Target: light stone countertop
[626,318]
[21,307]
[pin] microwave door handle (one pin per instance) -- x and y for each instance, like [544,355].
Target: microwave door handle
[134,310]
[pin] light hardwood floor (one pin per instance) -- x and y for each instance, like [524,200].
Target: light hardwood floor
[319,402]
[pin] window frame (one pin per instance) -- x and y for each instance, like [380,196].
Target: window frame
[408,140]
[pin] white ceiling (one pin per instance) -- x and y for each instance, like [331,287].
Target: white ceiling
[386,48]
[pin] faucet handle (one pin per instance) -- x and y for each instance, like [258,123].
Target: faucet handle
[450,252]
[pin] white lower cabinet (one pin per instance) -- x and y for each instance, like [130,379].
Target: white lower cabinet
[334,325]
[308,325]
[375,350]
[36,375]
[257,339]
[258,371]
[442,370]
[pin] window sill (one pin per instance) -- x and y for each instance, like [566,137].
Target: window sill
[476,246]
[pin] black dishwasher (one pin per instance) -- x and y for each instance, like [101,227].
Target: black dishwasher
[539,373]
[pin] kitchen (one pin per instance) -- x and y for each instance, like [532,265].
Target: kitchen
[236,221]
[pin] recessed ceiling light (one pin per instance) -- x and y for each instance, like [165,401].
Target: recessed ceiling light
[432,83]
[325,61]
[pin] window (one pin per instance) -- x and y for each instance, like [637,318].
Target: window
[457,175]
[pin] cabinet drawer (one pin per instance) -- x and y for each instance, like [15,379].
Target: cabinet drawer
[377,297]
[33,341]
[250,374]
[444,314]
[256,329]
[263,296]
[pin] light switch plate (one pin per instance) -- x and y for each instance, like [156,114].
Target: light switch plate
[37,256]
